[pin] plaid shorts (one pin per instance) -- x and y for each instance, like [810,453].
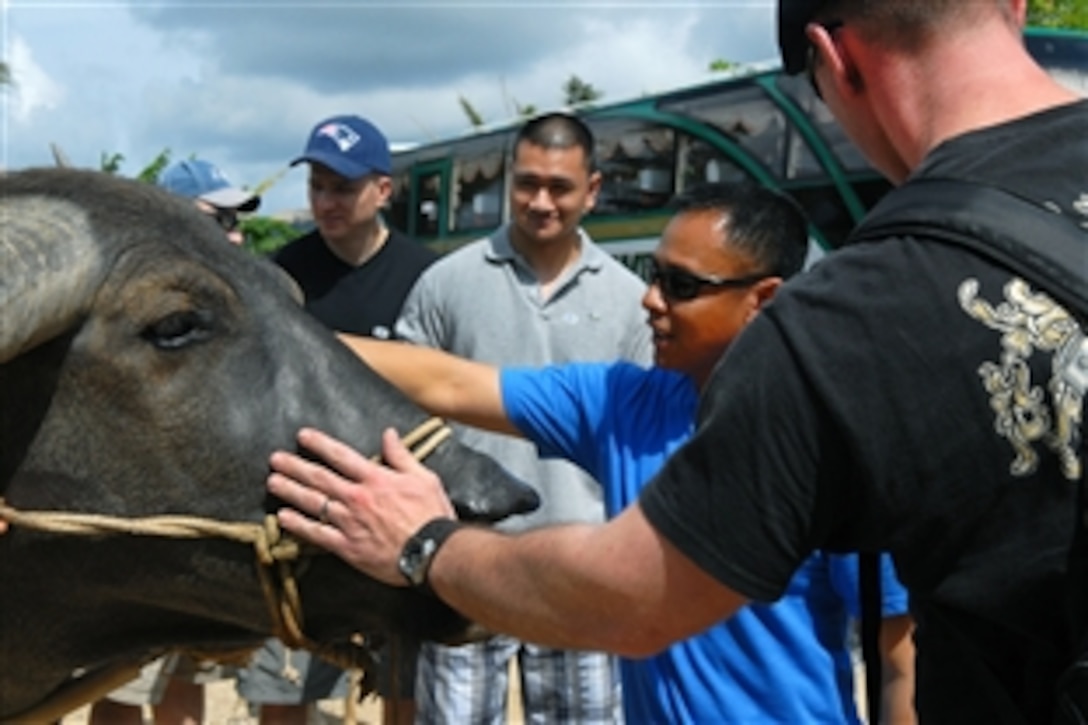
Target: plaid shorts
[469,684]
[277,675]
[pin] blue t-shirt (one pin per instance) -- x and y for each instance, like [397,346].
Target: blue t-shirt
[784,662]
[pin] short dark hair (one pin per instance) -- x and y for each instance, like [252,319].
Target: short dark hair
[558,130]
[764,224]
[906,24]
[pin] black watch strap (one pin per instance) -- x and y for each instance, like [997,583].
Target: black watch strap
[420,549]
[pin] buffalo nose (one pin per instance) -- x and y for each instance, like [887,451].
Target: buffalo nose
[500,499]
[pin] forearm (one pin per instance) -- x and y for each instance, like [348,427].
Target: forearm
[617,587]
[441,383]
[897,669]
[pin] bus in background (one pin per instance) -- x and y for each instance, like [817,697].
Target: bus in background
[757,124]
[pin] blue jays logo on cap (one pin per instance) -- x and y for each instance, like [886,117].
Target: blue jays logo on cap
[348,145]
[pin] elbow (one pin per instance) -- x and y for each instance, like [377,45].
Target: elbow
[642,648]
[634,639]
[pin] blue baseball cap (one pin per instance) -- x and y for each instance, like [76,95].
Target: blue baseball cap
[351,146]
[793,17]
[196,179]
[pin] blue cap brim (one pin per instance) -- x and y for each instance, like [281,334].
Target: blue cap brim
[345,167]
[231,198]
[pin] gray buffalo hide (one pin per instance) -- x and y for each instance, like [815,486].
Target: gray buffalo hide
[148,367]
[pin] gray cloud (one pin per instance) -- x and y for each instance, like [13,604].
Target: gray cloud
[366,46]
[242,83]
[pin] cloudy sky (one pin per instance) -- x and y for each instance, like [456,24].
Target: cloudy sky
[242,82]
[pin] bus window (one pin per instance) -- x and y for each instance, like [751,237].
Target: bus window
[1064,55]
[636,161]
[802,163]
[428,190]
[747,116]
[478,192]
[700,163]
[397,214]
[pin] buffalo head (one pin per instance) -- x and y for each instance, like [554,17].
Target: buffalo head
[147,367]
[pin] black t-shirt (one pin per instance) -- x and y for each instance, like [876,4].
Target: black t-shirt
[903,396]
[363,300]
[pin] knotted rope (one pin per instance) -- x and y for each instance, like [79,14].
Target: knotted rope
[275,552]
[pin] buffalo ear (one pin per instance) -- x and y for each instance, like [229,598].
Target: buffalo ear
[50,265]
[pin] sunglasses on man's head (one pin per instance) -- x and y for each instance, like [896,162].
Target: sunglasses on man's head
[227,219]
[681,285]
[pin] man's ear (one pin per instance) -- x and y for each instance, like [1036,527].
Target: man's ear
[836,57]
[1019,11]
[385,190]
[762,292]
[594,190]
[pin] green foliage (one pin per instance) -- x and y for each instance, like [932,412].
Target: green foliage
[150,173]
[5,74]
[719,65]
[577,92]
[474,116]
[265,235]
[1069,14]
[111,163]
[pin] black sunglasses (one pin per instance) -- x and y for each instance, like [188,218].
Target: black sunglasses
[227,219]
[810,60]
[681,285]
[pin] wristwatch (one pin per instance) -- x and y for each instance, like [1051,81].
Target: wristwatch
[420,549]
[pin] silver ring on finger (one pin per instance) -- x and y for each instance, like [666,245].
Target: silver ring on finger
[323,514]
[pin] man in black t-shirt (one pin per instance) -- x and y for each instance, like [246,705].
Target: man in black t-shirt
[354,272]
[905,395]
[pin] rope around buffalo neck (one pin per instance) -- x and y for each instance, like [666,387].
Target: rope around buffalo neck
[275,550]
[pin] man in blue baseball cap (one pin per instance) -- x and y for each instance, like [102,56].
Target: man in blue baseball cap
[348,145]
[352,251]
[354,272]
[213,194]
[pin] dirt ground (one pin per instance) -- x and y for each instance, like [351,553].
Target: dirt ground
[223,706]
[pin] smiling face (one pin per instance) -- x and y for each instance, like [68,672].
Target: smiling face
[344,208]
[552,189]
[690,335]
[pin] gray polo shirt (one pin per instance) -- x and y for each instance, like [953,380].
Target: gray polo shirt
[483,302]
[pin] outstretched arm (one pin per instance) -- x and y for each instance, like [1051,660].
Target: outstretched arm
[897,670]
[617,586]
[443,384]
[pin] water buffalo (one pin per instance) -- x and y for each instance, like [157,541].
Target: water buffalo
[148,368]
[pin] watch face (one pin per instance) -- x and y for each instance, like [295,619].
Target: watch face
[416,559]
[420,549]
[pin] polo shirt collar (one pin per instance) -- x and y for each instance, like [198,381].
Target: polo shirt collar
[501,250]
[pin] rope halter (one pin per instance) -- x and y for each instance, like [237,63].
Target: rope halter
[276,552]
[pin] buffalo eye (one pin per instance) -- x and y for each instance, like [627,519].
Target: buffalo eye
[179,329]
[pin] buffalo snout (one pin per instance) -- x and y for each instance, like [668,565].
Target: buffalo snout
[480,489]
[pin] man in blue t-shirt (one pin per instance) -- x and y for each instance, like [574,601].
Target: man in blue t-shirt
[721,259]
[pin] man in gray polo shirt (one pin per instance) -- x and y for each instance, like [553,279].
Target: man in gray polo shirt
[537,291]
